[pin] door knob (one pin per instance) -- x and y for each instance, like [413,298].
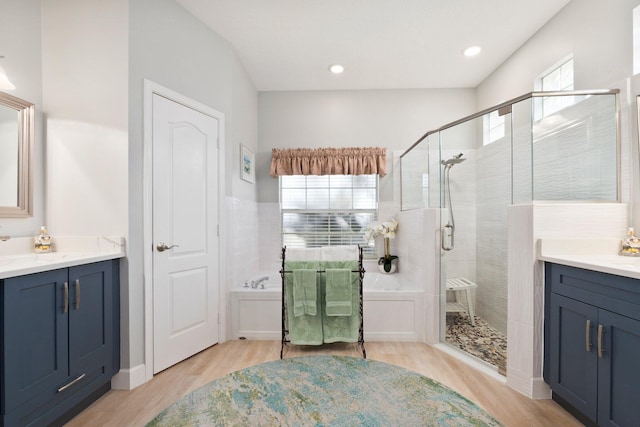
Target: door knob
[162,247]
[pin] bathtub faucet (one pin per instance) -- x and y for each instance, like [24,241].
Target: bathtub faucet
[255,283]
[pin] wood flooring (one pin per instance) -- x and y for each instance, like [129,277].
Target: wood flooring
[136,407]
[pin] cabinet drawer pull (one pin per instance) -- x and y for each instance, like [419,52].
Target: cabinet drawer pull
[77,286]
[66,386]
[600,334]
[587,336]
[65,306]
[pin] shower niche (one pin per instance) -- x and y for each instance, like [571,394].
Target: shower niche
[559,147]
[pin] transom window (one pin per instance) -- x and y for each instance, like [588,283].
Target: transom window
[328,210]
[493,124]
[559,78]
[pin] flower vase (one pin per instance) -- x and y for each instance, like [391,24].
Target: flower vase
[386,264]
[383,271]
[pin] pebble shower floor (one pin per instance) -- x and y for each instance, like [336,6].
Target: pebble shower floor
[481,341]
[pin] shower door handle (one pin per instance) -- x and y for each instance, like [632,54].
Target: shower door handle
[444,235]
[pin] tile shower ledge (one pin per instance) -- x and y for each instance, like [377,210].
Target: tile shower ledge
[17,257]
[590,254]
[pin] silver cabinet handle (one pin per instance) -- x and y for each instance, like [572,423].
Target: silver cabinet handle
[65,306]
[600,334]
[162,247]
[66,386]
[587,336]
[76,283]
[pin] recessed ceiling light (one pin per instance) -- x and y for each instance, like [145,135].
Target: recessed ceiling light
[336,68]
[472,51]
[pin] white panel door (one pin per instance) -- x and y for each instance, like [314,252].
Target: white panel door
[185,236]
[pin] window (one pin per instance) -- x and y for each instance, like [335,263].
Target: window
[636,40]
[493,124]
[328,210]
[559,78]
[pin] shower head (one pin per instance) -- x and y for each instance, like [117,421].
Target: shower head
[453,161]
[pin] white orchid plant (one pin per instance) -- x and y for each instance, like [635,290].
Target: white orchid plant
[386,229]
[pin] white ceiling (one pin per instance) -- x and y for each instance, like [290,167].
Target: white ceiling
[383,44]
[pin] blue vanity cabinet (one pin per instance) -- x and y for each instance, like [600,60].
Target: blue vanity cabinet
[592,343]
[35,330]
[573,369]
[60,336]
[618,371]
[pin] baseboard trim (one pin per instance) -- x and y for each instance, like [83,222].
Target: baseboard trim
[259,335]
[369,336]
[128,379]
[540,389]
[519,381]
[533,388]
[391,336]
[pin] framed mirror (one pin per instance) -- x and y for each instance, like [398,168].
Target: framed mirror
[16,156]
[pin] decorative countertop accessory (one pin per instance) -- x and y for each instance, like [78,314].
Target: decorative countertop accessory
[630,244]
[42,243]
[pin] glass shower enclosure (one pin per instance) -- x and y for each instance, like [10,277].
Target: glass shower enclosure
[540,147]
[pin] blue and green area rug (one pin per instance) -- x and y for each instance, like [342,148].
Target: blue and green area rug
[323,391]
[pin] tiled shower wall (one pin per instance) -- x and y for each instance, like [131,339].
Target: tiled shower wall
[481,193]
[461,260]
[493,180]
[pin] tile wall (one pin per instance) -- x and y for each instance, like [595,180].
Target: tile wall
[242,241]
[492,200]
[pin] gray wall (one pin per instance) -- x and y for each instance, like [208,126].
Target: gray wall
[597,33]
[107,49]
[20,43]
[84,85]
[174,49]
[387,118]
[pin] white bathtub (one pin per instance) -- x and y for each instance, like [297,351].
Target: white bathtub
[393,309]
[373,281]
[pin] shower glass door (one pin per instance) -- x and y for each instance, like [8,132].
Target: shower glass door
[537,150]
[476,190]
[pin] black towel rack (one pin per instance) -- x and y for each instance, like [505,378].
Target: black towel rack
[285,331]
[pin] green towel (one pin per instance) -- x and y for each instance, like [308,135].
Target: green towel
[342,328]
[305,291]
[305,329]
[338,292]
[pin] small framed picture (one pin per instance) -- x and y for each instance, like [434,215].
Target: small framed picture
[247,164]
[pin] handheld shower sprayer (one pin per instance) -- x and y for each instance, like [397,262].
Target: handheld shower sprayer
[449,230]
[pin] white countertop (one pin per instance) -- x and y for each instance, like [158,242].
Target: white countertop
[17,257]
[590,254]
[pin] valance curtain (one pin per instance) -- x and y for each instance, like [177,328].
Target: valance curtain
[329,161]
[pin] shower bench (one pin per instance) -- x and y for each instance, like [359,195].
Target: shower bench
[461,284]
